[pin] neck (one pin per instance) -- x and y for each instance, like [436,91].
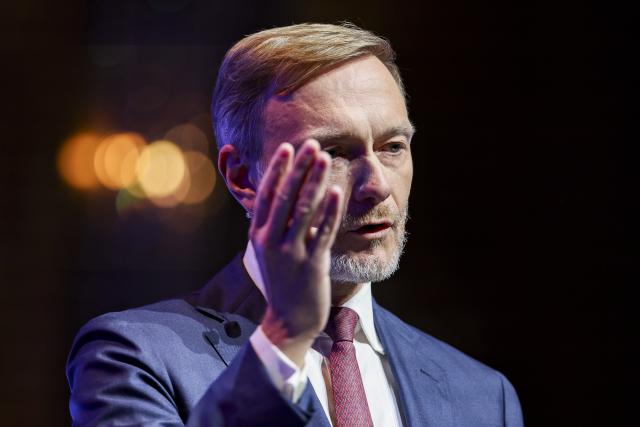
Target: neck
[341,292]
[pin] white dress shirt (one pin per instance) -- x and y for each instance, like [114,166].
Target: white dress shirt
[374,367]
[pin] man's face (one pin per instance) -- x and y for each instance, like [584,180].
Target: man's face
[358,115]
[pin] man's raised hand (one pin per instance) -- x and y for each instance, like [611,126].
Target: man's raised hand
[294,261]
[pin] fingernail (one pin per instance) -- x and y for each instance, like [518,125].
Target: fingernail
[286,147]
[312,143]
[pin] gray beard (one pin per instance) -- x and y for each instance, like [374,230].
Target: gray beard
[345,268]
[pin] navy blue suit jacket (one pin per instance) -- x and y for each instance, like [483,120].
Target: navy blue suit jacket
[188,361]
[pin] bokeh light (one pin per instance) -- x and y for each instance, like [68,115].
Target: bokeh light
[161,169]
[116,159]
[125,201]
[202,176]
[136,190]
[75,161]
[167,172]
[188,137]
[176,196]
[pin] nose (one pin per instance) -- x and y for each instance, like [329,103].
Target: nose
[370,185]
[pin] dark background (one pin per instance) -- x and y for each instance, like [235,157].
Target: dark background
[520,251]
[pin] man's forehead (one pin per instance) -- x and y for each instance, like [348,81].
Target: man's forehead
[356,97]
[361,79]
[365,70]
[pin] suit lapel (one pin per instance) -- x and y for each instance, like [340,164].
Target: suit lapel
[310,402]
[232,299]
[237,304]
[232,291]
[421,383]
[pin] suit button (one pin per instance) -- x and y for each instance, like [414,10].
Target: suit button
[232,329]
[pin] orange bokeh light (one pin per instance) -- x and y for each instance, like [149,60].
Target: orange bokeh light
[116,159]
[75,161]
[203,177]
[165,173]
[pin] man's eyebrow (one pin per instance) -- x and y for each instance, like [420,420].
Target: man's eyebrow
[324,136]
[406,130]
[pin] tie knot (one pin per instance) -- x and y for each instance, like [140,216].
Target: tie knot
[342,324]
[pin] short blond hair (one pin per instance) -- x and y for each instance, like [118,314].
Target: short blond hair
[277,61]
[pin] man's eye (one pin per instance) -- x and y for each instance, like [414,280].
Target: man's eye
[333,152]
[394,147]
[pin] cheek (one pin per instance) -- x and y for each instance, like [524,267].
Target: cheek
[406,176]
[340,177]
[408,181]
[401,184]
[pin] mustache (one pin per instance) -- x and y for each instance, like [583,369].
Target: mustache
[376,214]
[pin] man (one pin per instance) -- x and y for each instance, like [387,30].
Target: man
[314,142]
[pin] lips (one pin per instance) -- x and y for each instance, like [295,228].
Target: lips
[371,227]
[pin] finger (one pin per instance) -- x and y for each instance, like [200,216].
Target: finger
[311,194]
[317,217]
[279,164]
[287,193]
[328,229]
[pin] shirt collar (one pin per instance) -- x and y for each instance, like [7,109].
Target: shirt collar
[361,302]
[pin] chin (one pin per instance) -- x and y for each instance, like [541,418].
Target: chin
[356,260]
[378,248]
[373,264]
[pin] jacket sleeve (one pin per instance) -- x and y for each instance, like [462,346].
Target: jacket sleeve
[511,405]
[115,380]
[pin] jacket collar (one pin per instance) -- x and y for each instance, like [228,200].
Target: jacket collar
[231,291]
[421,382]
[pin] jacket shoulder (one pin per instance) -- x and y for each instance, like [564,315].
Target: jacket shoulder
[168,315]
[150,331]
[479,394]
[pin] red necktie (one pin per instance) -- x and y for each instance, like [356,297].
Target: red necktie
[350,401]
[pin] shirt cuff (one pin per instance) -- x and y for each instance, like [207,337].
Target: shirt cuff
[284,373]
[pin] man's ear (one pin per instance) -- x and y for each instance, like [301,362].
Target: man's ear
[236,175]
